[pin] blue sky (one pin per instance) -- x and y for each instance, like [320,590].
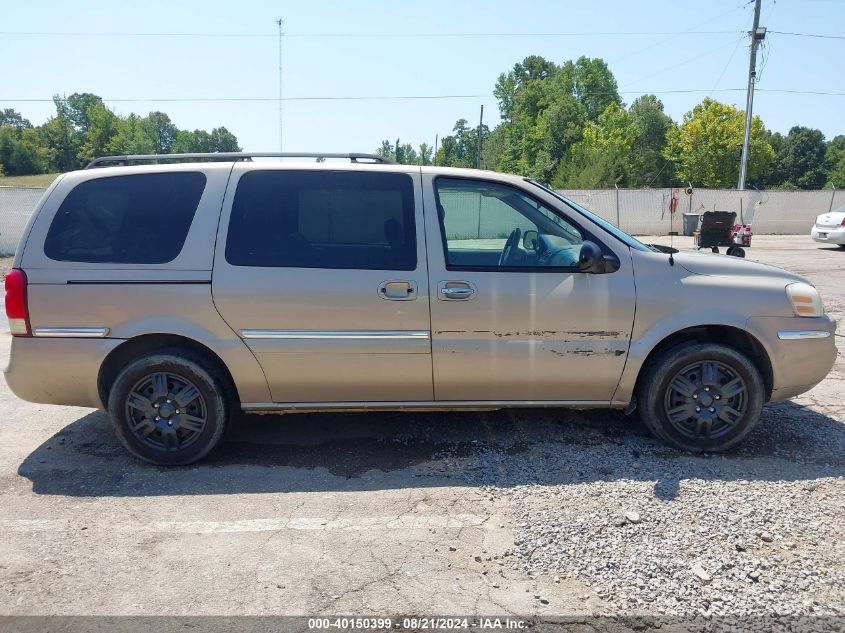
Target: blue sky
[378,56]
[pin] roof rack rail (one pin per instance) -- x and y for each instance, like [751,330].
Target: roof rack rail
[104,161]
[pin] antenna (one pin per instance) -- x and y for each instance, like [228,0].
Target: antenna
[281,24]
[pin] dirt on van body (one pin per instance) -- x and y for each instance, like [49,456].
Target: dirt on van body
[519,512]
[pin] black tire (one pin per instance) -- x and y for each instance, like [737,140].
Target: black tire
[737,251]
[734,415]
[192,422]
[714,249]
[730,250]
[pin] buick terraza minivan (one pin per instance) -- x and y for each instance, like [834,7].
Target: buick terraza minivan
[174,295]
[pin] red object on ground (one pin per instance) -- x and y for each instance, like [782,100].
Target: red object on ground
[741,234]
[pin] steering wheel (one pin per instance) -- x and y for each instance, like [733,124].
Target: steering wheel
[510,244]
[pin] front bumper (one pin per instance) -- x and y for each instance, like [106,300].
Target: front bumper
[58,370]
[828,235]
[800,354]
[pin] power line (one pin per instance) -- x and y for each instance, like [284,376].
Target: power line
[820,36]
[413,97]
[683,63]
[674,34]
[273,99]
[357,35]
[730,59]
[803,92]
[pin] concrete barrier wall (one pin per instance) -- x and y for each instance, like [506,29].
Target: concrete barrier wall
[636,211]
[647,211]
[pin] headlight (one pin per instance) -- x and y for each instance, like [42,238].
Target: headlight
[805,300]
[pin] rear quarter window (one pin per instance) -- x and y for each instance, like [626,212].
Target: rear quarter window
[132,219]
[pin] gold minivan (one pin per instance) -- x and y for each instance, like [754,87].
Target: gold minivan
[174,294]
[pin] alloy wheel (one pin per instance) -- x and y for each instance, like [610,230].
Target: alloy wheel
[166,411]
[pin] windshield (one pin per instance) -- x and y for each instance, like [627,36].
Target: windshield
[607,226]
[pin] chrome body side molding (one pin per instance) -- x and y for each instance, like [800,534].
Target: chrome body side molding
[71,332]
[796,335]
[354,335]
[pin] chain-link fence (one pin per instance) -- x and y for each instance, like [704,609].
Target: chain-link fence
[636,211]
[16,205]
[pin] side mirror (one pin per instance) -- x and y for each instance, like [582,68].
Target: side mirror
[529,240]
[591,259]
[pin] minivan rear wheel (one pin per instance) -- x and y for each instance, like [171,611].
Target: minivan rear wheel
[701,396]
[169,408]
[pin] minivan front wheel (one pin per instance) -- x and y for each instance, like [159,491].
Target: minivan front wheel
[169,408]
[701,396]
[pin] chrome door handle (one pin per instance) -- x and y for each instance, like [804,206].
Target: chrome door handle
[457,293]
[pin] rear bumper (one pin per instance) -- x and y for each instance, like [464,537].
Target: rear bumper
[57,370]
[800,354]
[830,235]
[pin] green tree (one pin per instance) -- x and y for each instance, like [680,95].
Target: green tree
[801,158]
[425,153]
[161,130]
[773,176]
[544,108]
[102,128]
[200,141]
[222,140]
[405,154]
[460,148]
[835,159]
[63,142]
[601,158]
[19,156]
[76,108]
[131,138]
[386,150]
[14,119]
[705,147]
[525,73]
[594,85]
[648,165]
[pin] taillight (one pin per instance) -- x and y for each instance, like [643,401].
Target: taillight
[16,309]
[843,222]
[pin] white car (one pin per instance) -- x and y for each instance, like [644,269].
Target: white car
[830,228]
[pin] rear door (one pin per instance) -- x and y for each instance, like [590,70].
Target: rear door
[323,273]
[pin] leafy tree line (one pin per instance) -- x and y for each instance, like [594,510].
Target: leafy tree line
[567,125]
[84,128]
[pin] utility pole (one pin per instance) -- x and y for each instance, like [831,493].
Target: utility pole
[478,154]
[281,24]
[434,155]
[758,34]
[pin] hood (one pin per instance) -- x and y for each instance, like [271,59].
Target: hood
[709,264]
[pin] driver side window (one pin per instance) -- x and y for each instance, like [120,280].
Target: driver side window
[492,225]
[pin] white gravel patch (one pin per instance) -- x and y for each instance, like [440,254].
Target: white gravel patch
[719,547]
